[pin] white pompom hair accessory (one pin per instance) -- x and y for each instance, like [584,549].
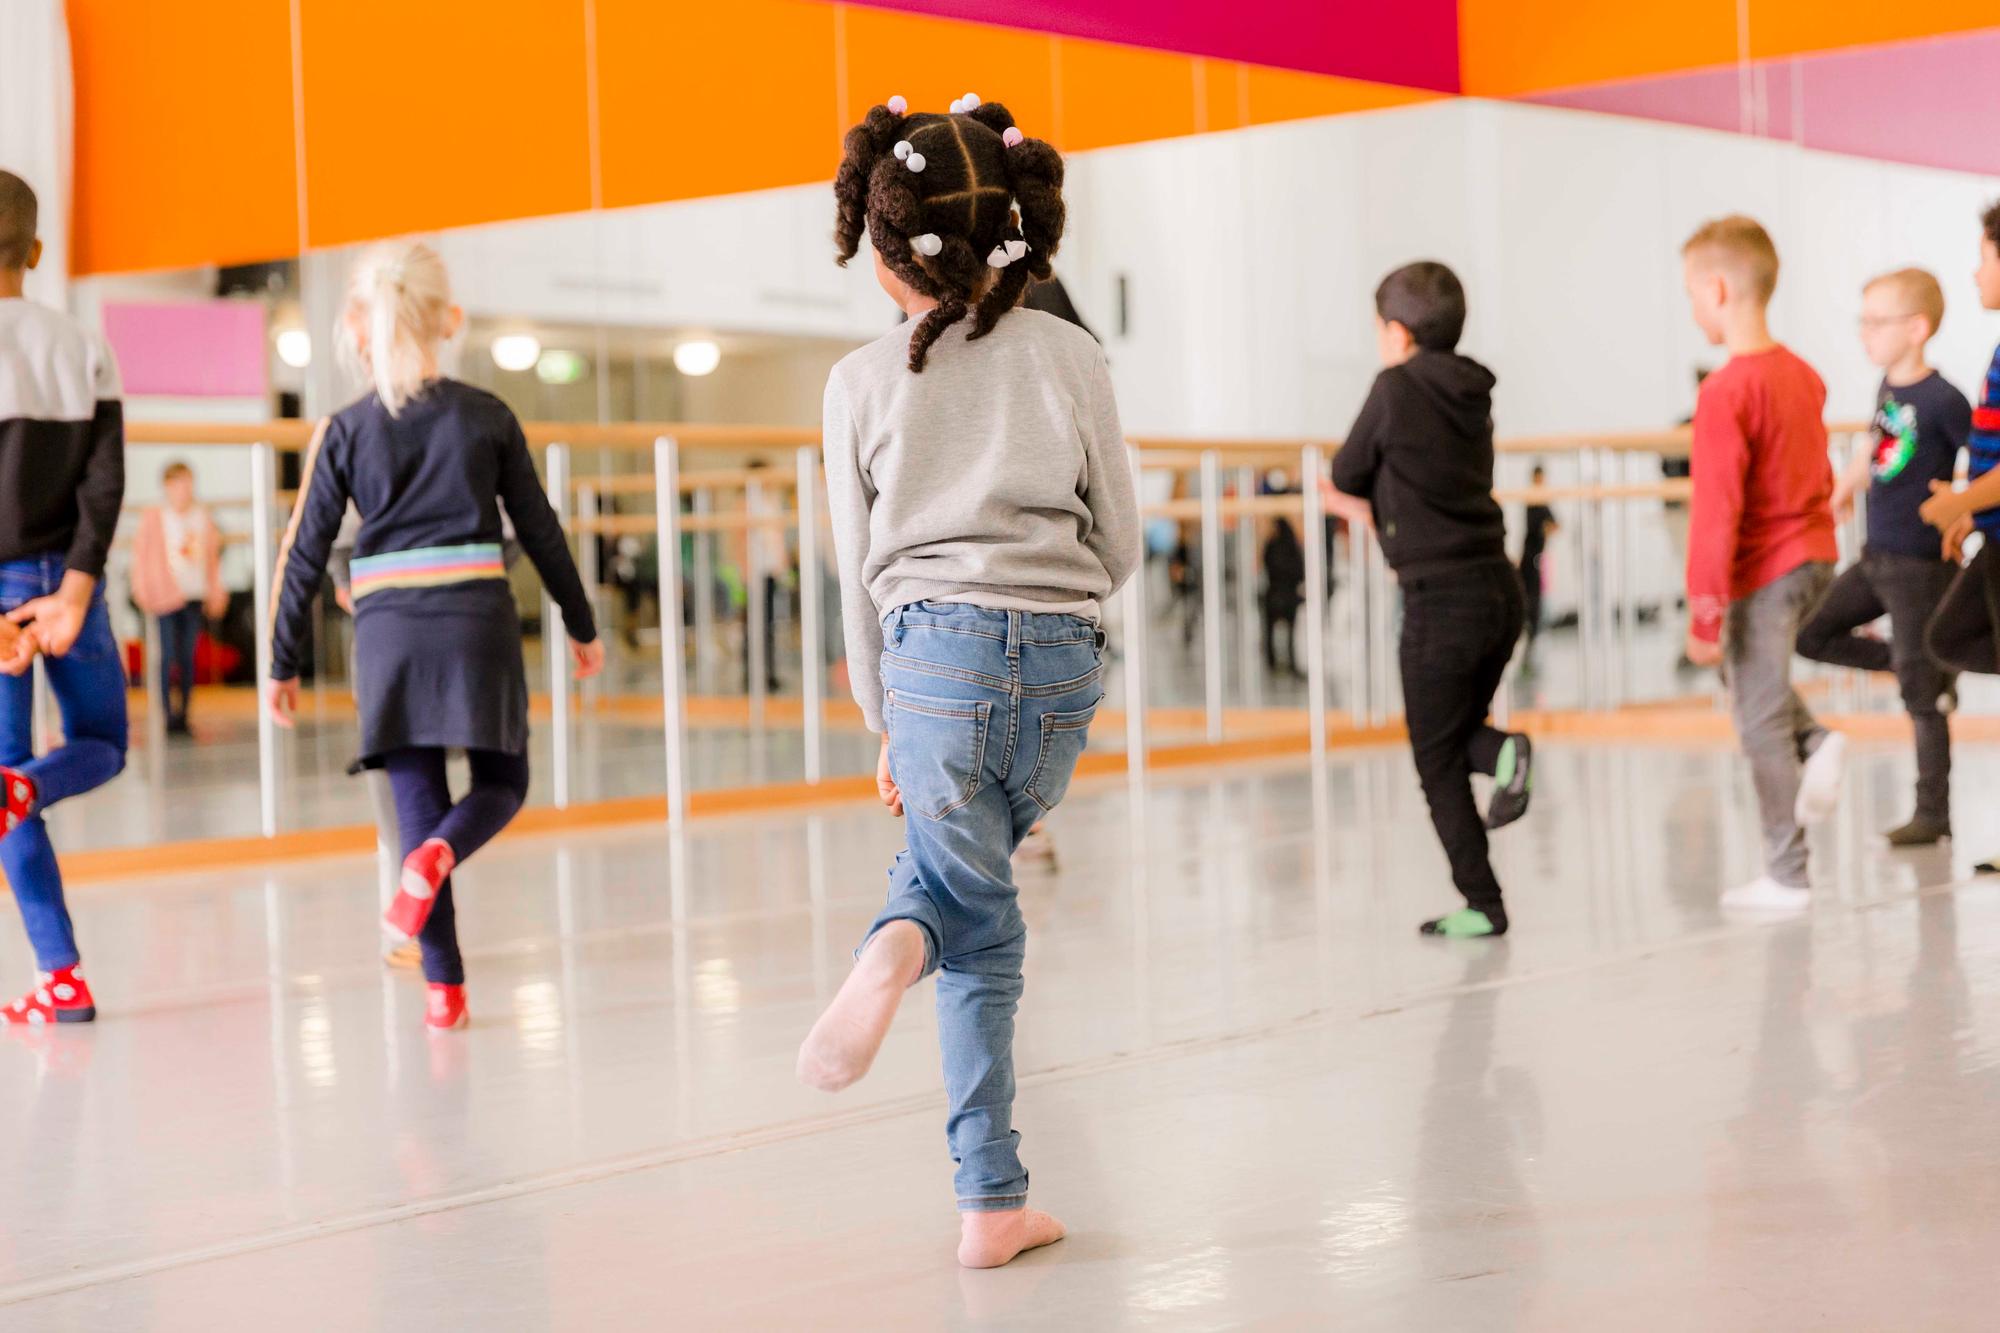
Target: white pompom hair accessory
[898,105]
[915,162]
[969,102]
[1006,253]
[1013,137]
[903,149]
[927,245]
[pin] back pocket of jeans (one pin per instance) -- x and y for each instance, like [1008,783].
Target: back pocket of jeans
[937,750]
[1063,737]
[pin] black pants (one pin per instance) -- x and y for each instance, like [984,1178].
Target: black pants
[424,810]
[1964,634]
[1531,589]
[1909,590]
[1459,630]
[180,631]
[1285,613]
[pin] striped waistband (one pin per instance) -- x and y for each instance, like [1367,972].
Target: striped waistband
[427,567]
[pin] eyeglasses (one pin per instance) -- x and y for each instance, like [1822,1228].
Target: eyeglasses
[1884,321]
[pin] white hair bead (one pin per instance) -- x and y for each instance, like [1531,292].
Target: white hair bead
[915,162]
[1016,249]
[970,102]
[1012,138]
[903,149]
[957,105]
[927,244]
[998,257]
[897,105]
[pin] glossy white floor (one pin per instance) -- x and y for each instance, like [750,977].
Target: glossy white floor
[1256,1097]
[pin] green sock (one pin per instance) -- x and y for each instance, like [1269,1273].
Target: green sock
[1503,772]
[1465,923]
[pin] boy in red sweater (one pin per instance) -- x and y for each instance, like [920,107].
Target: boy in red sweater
[1762,549]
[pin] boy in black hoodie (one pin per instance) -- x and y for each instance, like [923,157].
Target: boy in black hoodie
[1421,455]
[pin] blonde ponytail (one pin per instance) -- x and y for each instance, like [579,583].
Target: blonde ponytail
[401,296]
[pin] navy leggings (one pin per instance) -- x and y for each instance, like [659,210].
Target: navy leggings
[424,810]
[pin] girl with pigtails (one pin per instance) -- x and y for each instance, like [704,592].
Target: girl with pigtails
[430,464]
[983,511]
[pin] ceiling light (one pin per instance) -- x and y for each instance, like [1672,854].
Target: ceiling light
[516,351]
[698,357]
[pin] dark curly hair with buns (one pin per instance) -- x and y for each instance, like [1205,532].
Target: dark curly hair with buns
[975,194]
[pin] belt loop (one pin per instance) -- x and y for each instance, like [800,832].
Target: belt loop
[1016,621]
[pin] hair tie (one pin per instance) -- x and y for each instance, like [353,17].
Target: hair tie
[903,149]
[897,106]
[913,160]
[928,245]
[1006,253]
[1013,137]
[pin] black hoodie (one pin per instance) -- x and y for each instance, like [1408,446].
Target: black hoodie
[1421,452]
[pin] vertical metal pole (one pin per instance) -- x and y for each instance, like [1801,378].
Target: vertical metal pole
[1314,619]
[1248,620]
[812,652]
[41,737]
[1589,648]
[1381,639]
[555,640]
[1357,626]
[1136,628]
[755,596]
[263,484]
[588,541]
[1211,590]
[1621,572]
[704,595]
[673,667]
[153,665]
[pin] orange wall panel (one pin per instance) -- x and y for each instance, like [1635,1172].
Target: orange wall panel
[420,116]
[1791,27]
[184,148]
[931,62]
[1120,94]
[1508,47]
[1283,94]
[714,99]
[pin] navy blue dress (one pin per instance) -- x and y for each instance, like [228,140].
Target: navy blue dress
[437,633]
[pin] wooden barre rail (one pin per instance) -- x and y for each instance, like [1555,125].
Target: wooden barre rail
[291,436]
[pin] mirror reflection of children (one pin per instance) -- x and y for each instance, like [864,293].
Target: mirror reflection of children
[177,579]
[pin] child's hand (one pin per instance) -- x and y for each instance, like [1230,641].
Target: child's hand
[1954,538]
[282,699]
[885,784]
[1944,508]
[17,649]
[589,657]
[1703,652]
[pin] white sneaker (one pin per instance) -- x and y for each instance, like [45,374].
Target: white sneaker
[1764,894]
[1819,783]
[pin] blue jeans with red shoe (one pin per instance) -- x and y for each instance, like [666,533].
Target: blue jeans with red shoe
[88,683]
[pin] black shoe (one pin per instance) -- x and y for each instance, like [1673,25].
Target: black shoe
[1921,831]
[1514,784]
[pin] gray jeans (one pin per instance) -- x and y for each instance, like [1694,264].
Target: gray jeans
[1773,725]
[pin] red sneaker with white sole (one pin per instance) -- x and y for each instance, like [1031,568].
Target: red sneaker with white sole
[423,871]
[18,795]
[447,1008]
[62,996]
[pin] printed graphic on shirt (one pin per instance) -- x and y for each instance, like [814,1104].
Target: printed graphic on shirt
[1895,439]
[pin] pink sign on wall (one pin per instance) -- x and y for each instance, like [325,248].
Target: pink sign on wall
[190,349]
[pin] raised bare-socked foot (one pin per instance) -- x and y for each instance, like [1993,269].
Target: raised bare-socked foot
[842,1045]
[988,1240]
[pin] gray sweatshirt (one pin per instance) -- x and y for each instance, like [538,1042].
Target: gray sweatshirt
[998,477]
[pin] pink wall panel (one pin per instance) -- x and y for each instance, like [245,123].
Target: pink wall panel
[1409,42]
[191,349]
[1934,102]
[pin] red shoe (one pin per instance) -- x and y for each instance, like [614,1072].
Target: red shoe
[20,794]
[423,871]
[62,996]
[447,1008]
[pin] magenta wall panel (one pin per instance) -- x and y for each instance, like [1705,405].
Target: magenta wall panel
[190,349]
[1934,102]
[1409,42]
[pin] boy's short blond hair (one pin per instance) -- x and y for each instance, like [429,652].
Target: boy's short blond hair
[1918,290]
[1740,249]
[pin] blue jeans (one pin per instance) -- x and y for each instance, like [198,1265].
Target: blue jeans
[179,631]
[987,713]
[89,686]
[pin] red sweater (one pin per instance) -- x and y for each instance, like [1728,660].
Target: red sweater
[1762,482]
